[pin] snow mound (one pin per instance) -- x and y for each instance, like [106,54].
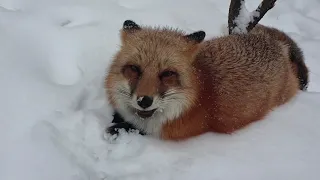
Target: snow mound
[283,141]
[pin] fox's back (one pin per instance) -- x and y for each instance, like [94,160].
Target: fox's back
[243,75]
[295,52]
[247,60]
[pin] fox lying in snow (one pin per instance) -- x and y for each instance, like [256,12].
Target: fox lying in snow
[174,86]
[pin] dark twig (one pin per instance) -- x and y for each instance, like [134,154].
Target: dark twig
[238,6]
[263,8]
[234,11]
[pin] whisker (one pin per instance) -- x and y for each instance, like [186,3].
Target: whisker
[172,98]
[170,93]
[123,91]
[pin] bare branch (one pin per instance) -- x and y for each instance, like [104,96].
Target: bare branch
[242,21]
[234,12]
[263,8]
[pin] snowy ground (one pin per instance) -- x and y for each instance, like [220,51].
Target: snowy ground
[53,55]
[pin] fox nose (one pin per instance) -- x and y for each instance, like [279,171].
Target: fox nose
[144,101]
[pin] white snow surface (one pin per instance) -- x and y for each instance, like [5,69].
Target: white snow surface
[51,131]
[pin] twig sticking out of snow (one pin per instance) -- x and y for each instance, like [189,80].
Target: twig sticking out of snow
[240,20]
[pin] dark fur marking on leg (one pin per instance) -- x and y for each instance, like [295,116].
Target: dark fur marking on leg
[121,124]
[117,118]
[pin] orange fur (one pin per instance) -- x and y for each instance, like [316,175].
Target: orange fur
[236,90]
[228,82]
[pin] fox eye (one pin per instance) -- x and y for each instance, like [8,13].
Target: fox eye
[167,74]
[131,72]
[169,78]
[134,68]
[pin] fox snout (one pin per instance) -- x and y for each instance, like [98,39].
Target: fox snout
[144,106]
[144,91]
[144,101]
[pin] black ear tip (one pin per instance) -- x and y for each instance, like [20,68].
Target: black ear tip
[197,36]
[202,34]
[129,24]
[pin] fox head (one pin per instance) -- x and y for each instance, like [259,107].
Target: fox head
[151,78]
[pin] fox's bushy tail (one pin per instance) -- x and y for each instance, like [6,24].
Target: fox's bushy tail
[297,57]
[295,52]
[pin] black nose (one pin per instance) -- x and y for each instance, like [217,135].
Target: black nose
[144,101]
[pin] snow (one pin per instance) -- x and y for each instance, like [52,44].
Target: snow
[243,19]
[53,109]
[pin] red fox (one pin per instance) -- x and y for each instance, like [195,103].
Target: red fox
[174,85]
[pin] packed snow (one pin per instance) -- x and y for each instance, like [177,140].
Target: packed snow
[53,109]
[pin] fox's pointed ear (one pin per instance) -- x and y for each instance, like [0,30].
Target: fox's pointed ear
[196,37]
[194,40]
[128,27]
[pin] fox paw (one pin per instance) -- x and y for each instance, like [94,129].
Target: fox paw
[114,130]
[121,125]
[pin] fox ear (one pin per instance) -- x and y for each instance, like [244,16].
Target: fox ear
[194,40]
[196,37]
[128,27]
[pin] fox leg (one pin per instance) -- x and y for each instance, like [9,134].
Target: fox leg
[121,124]
[117,118]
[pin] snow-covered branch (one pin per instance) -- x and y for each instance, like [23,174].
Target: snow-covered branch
[240,20]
